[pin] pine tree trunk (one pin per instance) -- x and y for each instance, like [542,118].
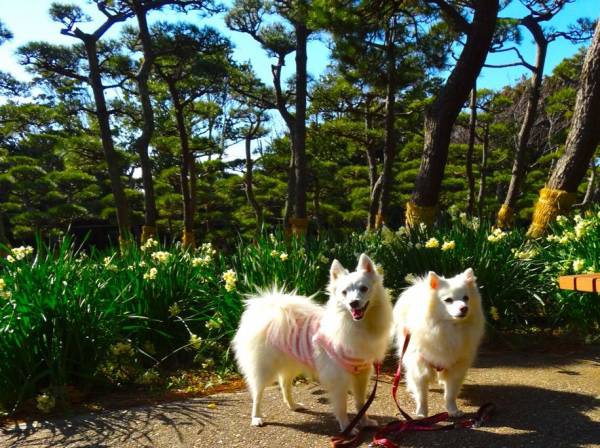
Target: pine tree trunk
[290,200]
[519,172]
[317,205]
[389,148]
[193,177]
[143,141]
[249,185]
[373,177]
[470,150]
[288,211]
[441,115]
[483,171]
[589,190]
[300,127]
[582,142]
[110,155]
[595,197]
[3,236]
[186,169]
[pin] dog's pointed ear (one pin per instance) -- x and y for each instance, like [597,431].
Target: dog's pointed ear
[470,276]
[433,279]
[365,264]
[336,270]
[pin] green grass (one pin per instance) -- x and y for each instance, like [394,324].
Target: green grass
[71,319]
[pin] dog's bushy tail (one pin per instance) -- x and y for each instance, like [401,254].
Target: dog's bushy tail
[274,309]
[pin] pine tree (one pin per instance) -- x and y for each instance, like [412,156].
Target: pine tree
[440,116]
[582,142]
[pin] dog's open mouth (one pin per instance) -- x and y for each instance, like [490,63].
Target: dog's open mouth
[359,313]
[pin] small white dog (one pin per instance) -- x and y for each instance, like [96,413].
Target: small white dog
[283,335]
[445,321]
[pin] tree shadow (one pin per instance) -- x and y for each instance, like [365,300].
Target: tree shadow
[323,423]
[525,416]
[113,428]
[536,359]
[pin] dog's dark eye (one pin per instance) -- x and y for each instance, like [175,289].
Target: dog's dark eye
[364,288]
[448,300]
[465,298]
[344,292]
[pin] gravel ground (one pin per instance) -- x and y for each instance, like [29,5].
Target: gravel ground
[543,399]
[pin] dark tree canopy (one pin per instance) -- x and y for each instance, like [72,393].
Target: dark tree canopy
[141,125]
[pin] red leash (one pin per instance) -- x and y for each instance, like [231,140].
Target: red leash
[426,424]
[380,439]
[423,424]
[345,439]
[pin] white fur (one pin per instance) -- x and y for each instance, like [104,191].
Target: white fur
[262,363]
[440,337]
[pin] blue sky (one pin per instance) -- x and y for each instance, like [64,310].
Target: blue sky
[29,20]
[557,51]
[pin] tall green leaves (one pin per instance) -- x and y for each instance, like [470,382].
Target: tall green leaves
[72,320]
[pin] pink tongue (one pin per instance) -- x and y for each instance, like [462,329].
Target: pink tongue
[357,313]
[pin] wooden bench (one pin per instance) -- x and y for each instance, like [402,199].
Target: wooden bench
[583,282]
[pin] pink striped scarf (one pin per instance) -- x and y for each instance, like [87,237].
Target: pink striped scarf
[300,342]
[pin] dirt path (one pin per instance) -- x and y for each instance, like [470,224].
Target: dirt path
[544,400]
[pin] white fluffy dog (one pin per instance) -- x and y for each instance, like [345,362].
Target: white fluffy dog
[445,321]
[282,335]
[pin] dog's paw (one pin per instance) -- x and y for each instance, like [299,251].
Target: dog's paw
[297,407]
[455,412]
[354,431]
[367,422]
[421,413]
[257,421]
[345,424]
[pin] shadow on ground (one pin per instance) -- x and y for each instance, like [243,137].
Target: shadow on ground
[542,399]
[542,357]
[525,416]
[135,425]
[538,359]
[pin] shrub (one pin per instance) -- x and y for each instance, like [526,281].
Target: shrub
[573,247]
[66,317]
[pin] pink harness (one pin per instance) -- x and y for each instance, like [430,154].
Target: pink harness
[300,343]
[432,365]
[350,364]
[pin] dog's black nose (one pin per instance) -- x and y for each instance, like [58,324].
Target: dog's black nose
[355,304]
[464,309]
